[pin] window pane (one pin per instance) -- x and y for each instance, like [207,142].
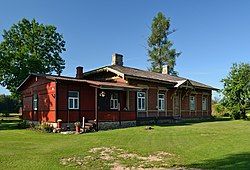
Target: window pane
[76,103]
[116,104]
[73,94]
[35,101]
[35,104]
[141,94]
[192,103]
[162,105]
[70,103]
[143,103]
[115,96]
[204,103]
[161,96]
[139,103]
[111,104]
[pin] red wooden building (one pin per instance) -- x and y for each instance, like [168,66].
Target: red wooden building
[114,96]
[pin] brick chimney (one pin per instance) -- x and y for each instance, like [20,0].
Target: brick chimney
[117,59]
[165,69]
[79,72]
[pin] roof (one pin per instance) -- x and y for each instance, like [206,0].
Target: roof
[99,84]
[148,75]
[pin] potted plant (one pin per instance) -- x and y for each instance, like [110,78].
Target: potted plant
[59,123]
[77,125]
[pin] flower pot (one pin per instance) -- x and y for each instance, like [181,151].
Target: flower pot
[77,129]
[59,123]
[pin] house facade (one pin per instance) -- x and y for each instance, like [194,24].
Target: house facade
[114,96]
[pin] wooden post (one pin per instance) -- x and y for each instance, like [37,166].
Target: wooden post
[202,105]
[127,99]
[83,123]
[147,102]
[166,103]
[96,108]
[157,98]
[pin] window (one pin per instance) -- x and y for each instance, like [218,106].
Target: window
[35,101]
[114,101]
[204,103]
[161,102]
[73,100]
[192,103]
[141,101]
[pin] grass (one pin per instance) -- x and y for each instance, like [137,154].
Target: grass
[220,144]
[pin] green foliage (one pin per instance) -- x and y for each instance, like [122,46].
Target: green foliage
[237,90]
[8,104]
[160,49]
[45,127]
[219,110]
[23,124]
[29,47]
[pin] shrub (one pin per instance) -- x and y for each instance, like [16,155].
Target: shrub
[45,127]
[219,110]
[23,125]
[235,114]
[5,113]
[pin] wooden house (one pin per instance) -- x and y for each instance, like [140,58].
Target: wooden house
[114,96]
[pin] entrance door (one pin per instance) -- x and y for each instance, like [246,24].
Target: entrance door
[176,102]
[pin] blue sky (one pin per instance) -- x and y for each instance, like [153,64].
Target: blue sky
[210,34]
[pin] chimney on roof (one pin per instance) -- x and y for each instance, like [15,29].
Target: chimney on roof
[165,69]
[79,72]
[117,59]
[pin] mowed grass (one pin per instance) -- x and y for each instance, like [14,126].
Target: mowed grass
[205,145]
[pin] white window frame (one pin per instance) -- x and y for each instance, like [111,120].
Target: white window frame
[114,101]
[204,104]
[35,101]
[142,101]
[192,98]
[74,99]
[161,102]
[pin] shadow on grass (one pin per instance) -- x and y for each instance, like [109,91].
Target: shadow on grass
[182,122]
[233,161]
[196,121]
[9,124]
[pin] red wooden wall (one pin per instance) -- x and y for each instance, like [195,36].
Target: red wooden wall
[46,99]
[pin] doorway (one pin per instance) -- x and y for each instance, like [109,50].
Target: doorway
[176,102]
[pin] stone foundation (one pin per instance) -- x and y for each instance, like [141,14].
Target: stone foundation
[115,125]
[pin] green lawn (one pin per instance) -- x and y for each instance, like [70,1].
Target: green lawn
[205,145]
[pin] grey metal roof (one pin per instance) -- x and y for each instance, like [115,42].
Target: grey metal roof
[138,73]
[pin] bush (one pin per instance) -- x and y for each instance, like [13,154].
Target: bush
[5,113]
[235,114]
[219,110]
[238,113]
[23,125]
[45,127]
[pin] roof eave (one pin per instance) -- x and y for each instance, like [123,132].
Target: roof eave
[149,79]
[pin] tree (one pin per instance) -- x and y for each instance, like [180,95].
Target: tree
[160,49]
[8,104]
[236,90]
[29,47]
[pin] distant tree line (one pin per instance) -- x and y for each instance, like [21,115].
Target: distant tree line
[8,104]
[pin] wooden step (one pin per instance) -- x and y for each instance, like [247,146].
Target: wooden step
[92,121]
[88,124]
